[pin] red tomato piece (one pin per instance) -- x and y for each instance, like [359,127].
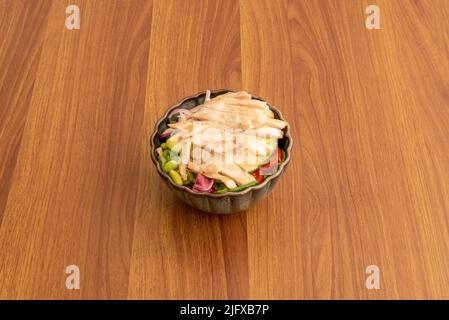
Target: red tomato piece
[259,178]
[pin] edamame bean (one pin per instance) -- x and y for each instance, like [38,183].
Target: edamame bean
[170,165]
[186,182]
[190,177]
[174,144]
[170,143]
[176,177]
[166,153]
[162,161]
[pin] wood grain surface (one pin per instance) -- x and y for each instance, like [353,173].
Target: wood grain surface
[368,183]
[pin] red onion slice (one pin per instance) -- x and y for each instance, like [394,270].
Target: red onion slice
[203,183]
[272,166]
[167,133]
[186,112]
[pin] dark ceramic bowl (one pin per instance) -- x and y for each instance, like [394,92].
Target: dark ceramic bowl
[230,202]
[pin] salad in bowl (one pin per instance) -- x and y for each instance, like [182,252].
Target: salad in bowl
[220,145]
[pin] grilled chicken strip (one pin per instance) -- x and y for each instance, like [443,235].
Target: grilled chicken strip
[231,135]
[211,171]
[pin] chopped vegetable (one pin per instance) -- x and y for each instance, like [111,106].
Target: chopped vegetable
[203,183]
[176,177]
[221,191]
[191,178]
[243,187]
[166,153]
[173,143]
[207,98]
[170,165]
[167,133]
[162,161]
[182,111]
[272,166]
[256,174]
[219,185]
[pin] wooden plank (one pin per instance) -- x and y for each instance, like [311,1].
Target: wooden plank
[179,252]
[73,193]
[366,187]
[274,226]
[20,49]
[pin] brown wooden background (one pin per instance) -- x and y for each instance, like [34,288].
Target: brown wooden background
[368,184]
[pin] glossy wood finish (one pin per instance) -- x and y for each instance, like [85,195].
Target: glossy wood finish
[368,184]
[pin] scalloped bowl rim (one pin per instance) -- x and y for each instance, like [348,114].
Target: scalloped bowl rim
[281,169]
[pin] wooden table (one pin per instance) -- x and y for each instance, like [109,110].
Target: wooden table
[368,183]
